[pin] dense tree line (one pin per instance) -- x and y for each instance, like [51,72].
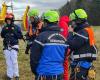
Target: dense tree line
[92,7]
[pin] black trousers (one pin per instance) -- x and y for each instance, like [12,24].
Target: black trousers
[53,77]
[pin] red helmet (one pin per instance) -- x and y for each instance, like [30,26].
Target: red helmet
[9,16]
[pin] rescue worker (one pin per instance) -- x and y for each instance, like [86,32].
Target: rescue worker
[48,50]
[34,27]
[63,24]
[82,44]
[10,34]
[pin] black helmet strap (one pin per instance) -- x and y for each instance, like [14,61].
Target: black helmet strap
[76,15]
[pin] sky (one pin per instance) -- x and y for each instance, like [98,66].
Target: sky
[43,5]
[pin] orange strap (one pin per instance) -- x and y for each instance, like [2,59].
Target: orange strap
[30,30]
[91,35]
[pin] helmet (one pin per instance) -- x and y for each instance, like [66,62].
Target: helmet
[33,12]
[78,14]
[51,16]
[9,16]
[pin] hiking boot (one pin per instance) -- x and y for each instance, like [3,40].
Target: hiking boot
[16,78]
[8,78]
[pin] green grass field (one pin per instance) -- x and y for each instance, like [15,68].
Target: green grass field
[25,73]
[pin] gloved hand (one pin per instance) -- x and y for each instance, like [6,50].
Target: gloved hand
[26,51]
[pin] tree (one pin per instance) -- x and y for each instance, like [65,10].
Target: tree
[92,8]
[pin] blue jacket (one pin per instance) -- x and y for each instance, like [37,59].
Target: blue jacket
[11,34]
[82,51]
[48,52]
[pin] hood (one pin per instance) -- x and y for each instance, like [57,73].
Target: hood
[81,26]
[51,28]
[65,19]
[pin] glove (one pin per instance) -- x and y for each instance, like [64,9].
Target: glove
[27,49]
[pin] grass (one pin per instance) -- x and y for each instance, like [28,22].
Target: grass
[97,63]
[24,67]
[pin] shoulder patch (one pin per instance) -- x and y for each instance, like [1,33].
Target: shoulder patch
[53,40]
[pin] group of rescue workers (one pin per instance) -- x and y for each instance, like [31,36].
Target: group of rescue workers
[54,42]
